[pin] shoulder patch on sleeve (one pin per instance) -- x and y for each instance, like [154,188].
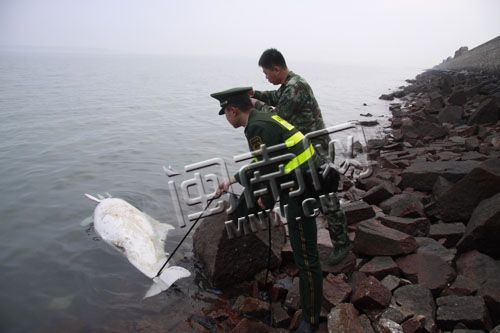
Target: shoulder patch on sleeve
[255,142]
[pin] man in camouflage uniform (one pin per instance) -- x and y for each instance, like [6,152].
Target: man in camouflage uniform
[294,101]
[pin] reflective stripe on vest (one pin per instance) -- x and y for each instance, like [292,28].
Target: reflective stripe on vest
[298,160]
[292,141]
[283,122]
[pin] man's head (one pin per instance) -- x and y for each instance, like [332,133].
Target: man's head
[235,105]
[274,66]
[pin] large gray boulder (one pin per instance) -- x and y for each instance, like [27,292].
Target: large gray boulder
[403,205]
[419,129]
[415,301]
[412,226]
[458,97]
[227,261]
[485,272]
[452,114]
[448,233]
[432,246]
[428,270]
[375,239]
[487,112]
[422,175]
[458,203]
[358,211]
[483,230]
[371,294]
[468,310]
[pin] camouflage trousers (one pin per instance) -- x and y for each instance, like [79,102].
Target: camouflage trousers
[337,221]
[335,216]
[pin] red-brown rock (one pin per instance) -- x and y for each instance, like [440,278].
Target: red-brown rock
[358,211]
[379,193]
[451,114]
[371,294]
[449,232]
[416,301]
[487,112]
[384,325]
[441,186]
[478,267]
[458,203]
[485,272]
[416,129]
[490,291]
[228,261]
[427,270]
[416,227]
[344,318]
[431,246]
[252,307]
[374,239]
[462,286]
[380,266]
[403,205]
[469,310]
[335,291]
[483,229]
[365,322]
[422,175]
[391,282]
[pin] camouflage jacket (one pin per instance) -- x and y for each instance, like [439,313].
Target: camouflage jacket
[294,101]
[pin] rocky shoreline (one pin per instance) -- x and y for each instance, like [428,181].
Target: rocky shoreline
[425,227]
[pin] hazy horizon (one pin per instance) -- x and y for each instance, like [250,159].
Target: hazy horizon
[415,33]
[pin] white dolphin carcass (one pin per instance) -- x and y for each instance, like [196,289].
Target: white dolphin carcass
[139,237]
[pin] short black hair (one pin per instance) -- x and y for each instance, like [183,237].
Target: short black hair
[242,102]
[270,58]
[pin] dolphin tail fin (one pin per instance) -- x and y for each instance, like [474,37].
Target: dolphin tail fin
[91,197]
[167,277]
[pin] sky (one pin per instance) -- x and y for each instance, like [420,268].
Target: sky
[358,32]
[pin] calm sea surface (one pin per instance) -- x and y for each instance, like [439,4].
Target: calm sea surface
[74,124]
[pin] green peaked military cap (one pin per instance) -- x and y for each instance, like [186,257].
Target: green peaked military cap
[224,97]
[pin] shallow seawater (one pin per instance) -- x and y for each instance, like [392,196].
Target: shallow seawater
[74,124]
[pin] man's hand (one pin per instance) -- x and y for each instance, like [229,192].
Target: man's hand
[224,186]
[261,203]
